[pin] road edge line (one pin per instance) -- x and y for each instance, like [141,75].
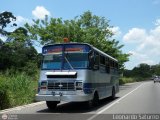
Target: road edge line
[117,101]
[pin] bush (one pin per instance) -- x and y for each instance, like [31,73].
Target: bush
[16,89]
[4,95]
[124,80]
[30,68]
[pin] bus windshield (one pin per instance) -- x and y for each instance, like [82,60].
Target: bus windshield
[52,61]
[76,60]
[65,57]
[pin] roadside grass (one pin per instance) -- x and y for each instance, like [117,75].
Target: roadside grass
[16,89]
[124,80]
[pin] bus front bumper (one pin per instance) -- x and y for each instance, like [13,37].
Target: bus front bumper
[66,98]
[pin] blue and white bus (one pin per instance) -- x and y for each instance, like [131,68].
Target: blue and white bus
[76,72]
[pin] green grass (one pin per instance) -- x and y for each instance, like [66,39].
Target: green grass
[124,80]
[16,89]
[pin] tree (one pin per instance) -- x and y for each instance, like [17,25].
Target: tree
[17,52]
[155,69]
[5,19]
[1,43]
[143,70]
[5,51]
[19,37]
[86,28]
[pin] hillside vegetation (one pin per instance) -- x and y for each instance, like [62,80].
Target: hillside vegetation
[140,73]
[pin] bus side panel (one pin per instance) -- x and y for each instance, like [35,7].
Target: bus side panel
[101,82]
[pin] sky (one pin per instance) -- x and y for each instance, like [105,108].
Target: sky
[136,23]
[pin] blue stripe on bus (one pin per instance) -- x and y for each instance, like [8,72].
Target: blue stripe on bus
[88,88]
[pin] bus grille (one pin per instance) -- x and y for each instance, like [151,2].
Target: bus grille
[61,86]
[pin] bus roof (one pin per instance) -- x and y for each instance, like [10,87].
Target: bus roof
[94,48]
[103,53]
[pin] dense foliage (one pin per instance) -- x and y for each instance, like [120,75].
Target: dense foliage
[87,28]
[5,19]
[18,65]
[144,71]
[17,52]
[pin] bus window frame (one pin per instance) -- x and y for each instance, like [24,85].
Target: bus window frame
[102,61]
[107,65]
[96,60]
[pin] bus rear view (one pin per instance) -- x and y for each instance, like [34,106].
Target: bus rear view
[67,75]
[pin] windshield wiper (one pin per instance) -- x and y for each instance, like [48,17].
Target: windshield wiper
[69,63]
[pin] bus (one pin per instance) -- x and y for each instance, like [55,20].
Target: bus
[76,72]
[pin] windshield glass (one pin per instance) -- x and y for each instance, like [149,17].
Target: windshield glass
[65,57]
[76,60]
[52,61]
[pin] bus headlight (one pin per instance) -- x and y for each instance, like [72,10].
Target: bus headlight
[79,85]
[43,85]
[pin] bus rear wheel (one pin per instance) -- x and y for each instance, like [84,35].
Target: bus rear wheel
[113,93]
[51,104]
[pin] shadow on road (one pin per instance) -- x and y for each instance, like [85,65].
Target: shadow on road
[76,107]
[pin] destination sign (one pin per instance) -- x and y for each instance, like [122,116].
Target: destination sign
[57,49]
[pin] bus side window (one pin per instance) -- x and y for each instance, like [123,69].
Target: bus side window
[107,65]
[116,65]
[96,64]
[102,60]
[111,65]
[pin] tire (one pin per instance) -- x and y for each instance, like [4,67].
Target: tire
[94,102]
[51,104]
[113,96]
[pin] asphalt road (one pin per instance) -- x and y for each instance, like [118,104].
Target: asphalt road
[133,98]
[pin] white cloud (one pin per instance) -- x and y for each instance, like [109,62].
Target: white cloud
[137,55]
[21,20]
[146,45]
[40,12]
[116,30]
[137,58]
[157,23]
[135,35]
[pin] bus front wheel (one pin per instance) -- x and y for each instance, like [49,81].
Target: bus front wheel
[51,104]
[95,101]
